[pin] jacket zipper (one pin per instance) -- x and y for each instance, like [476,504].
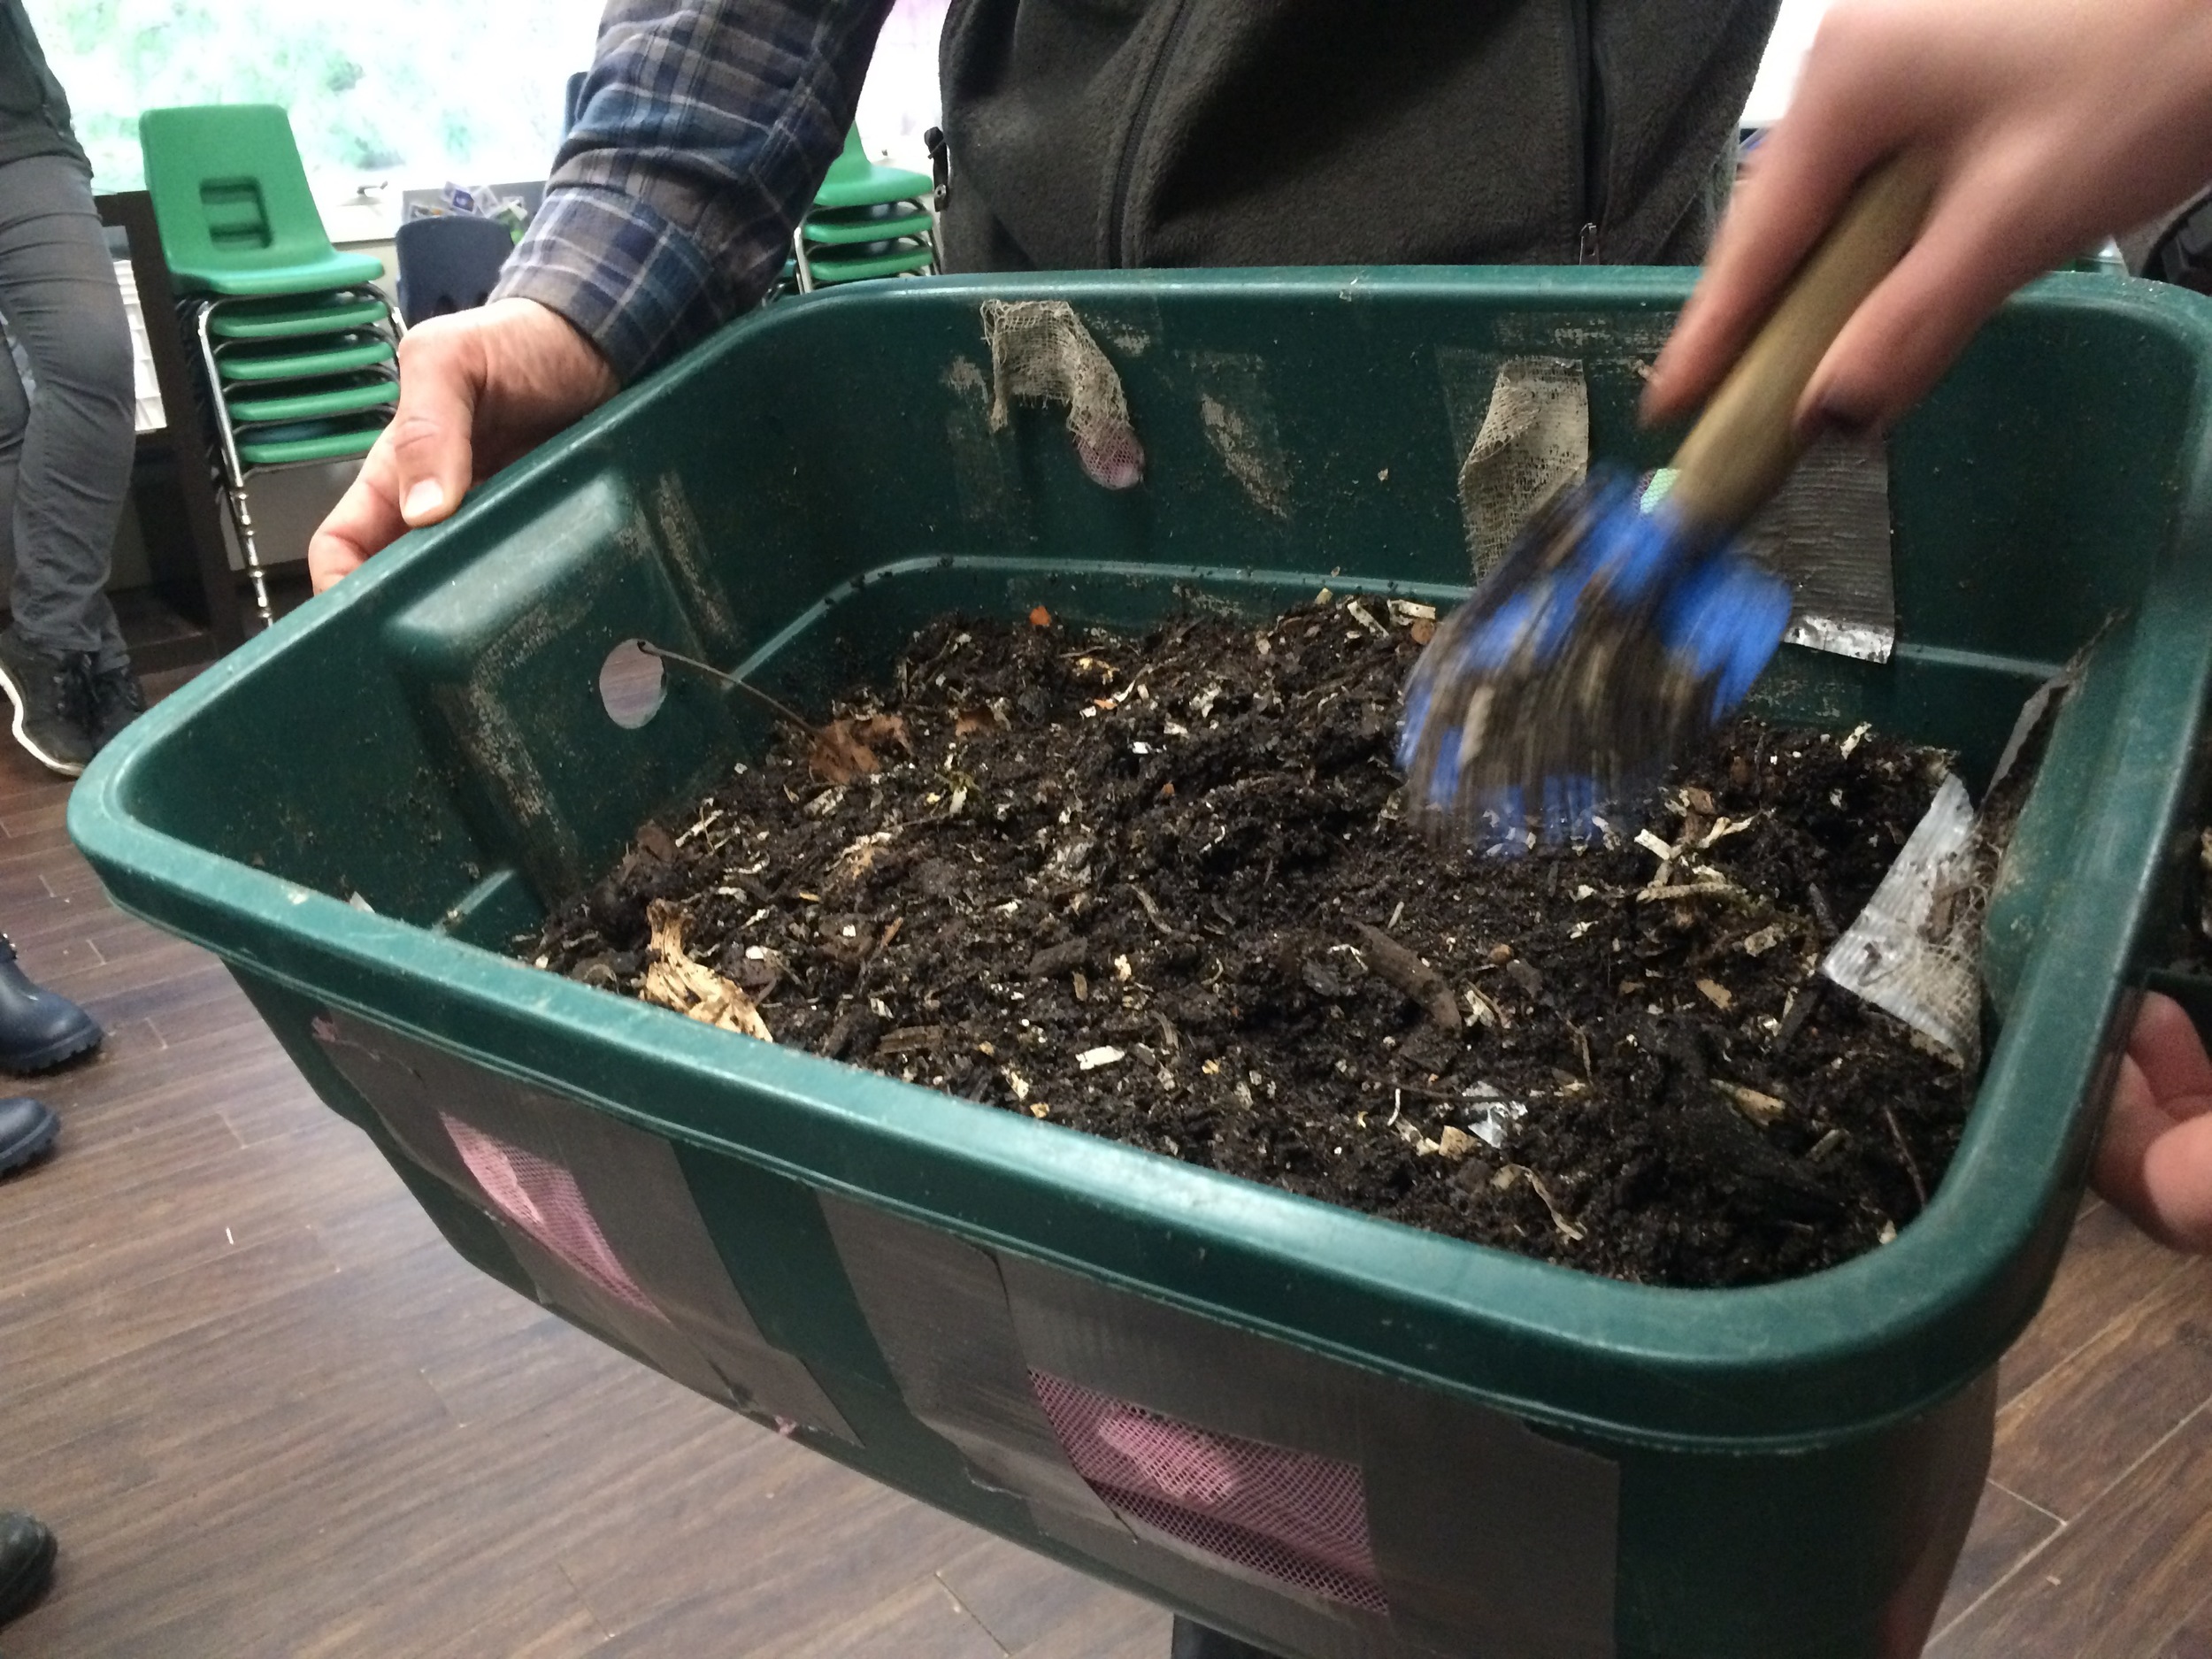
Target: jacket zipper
[1118,236]
[1595,122]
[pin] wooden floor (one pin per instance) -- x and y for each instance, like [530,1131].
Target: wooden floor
[269,1413]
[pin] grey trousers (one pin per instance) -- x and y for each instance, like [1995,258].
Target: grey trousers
[65,448]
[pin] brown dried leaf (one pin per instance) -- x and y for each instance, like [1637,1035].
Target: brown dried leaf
[673,980]
[656,842]
[1422,631]
[968,722]
[846,749]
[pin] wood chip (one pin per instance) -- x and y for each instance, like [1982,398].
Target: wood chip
[1708,885]
[1454,1143]
[1762,1108]
[911,1038]
[1092,1059]
[1765,940]
[1718,994]
[673,980]
[1420,982]
[1360,614]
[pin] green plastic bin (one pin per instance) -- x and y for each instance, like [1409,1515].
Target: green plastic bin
[1330,1434]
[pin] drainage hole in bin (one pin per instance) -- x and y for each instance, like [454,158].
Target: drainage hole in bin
[631,685]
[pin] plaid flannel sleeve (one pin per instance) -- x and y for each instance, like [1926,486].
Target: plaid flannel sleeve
[705,127]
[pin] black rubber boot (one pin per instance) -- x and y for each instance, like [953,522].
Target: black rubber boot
[38,1028]
[1195,1641]
[27,1562]
[26,1129]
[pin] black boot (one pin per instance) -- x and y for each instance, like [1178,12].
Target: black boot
[1195,1641]
[27,1562]
[26,1129]
[38,1028]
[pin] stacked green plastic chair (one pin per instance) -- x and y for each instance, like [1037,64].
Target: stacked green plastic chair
[297,351]
[868,220]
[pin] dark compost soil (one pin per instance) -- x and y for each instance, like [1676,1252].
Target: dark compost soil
[1158,889]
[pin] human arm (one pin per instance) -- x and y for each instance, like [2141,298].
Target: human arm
[706,126]
[2052,124]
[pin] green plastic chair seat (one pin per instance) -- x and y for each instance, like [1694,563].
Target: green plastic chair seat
[339,271]
[842,231]
[856,181]
[338,355]
[231,203]
[312,441]
[345,397]
[898,262]
[288,320]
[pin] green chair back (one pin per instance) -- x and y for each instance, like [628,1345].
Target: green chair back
[856,181]
[231,199]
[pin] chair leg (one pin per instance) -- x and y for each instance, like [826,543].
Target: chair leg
[243,518]
[233,468]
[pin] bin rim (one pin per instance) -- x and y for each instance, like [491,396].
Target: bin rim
[1850,1349]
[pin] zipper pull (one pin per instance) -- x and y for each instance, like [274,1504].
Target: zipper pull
[1586,247]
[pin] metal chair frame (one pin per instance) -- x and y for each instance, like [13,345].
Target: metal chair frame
[201,310]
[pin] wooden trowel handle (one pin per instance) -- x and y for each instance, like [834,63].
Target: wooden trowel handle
[1745,443]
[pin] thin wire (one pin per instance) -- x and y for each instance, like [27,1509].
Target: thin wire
[727,678]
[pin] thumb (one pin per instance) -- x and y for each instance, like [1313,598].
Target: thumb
[441,376]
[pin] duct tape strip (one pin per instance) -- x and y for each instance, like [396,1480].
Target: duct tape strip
[599,1212]
[1828,532]
[1312,1506]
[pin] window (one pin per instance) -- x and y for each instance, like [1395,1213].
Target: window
[414,92]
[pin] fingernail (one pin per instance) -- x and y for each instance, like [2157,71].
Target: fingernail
[425,498]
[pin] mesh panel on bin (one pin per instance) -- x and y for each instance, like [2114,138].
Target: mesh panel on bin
[543,1200]
[1297,1517]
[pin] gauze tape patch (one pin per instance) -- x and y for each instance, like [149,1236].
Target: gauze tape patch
[1041,352]
[1535,441]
